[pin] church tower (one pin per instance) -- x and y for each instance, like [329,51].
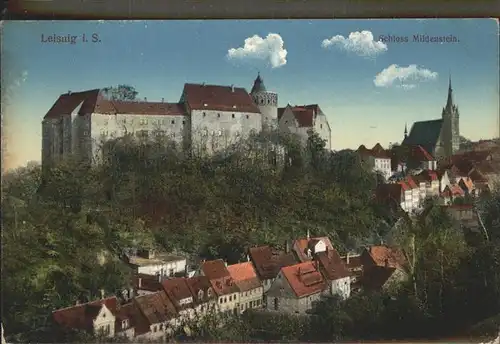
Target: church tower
[267,103]
[451,127]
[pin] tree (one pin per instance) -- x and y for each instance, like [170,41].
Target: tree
[121,92]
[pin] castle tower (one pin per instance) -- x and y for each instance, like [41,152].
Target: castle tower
[451,125]
[267,103]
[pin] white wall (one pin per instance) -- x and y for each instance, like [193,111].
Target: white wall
[227,303]
[254,296]
[105,322]
[322,127]
[164,268]
[212,131]
[341,287]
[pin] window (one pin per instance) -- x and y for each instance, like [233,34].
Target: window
[184,122]
[143,121]
[160,133]
[204,114]
[276,304]
[230,298]
[218,115]
[155,328]
[220,300]
[164,121]
[321,126]
[172,122]
[247,116]
[225,299]
[161,327]
[232,115]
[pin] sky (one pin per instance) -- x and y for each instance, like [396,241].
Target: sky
[369,76]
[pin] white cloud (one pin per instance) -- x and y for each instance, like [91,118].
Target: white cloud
[404,77]
[360,43]
[270,49]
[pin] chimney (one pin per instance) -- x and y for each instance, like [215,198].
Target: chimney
[225,263]
[347,257]
[145,99]
[162,100]
[69,92]
[248,257]
[287,246]
[203,84]
[160,277]
[308,235]
[139,283]
[232,88]
[102,293]
[77,302]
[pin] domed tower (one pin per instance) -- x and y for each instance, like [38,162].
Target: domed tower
[267,103]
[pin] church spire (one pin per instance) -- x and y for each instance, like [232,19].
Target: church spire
[449,102]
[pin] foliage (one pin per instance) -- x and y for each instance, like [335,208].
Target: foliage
[121,92]
[64,230]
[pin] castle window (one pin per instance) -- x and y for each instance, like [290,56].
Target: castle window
[218,115]
[204,114]
[184,122]
[173,122]
[321,126]
[232,115]
[247,116]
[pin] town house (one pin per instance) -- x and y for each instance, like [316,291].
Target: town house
[335,273]
[156,316]
[296,289]
[223,284]
[384,267]
[251,290]
[97,317]
[378,159]
[205,299]
[268,262]
[178,292]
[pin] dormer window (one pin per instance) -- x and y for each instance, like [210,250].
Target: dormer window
[200,294]
[124,324]
[209,292]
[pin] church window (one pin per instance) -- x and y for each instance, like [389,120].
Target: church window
[232,115]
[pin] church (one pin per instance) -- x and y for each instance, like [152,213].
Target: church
[439,137]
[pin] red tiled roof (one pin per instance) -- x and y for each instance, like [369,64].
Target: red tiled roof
[219,276]
[214,269]
[156,307]
[471,156]
[411,183]
[93,102]
[385,256]
[222,98]
[201,283]
[332,265]
[404,186]
[177,290]
[146,282]
[418,153]
[376,277]
[81,316]
[476,176]
[126,312]
[389,191]
[268,262]
[244,275]
[300,246]
[303,116]
[304,279]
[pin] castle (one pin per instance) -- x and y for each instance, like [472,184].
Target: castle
[207,119]
[439,137]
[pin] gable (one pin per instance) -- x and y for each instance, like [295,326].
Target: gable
[281,287]
[104,316]
[320,246]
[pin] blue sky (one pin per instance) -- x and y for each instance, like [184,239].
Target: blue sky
[158,57]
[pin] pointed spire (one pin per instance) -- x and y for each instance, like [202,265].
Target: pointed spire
[258,84]
[449,101]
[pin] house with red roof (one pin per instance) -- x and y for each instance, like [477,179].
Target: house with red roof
[180,295]
[451,193]
[268,262]
[296,289]
[96,317]
[378,159]
[384,267]
[404,194]
[301,120]
[420,158]
[155,316]
[249,285]
[223,285]
[205,299]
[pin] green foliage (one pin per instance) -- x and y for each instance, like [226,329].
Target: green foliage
[121,92]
